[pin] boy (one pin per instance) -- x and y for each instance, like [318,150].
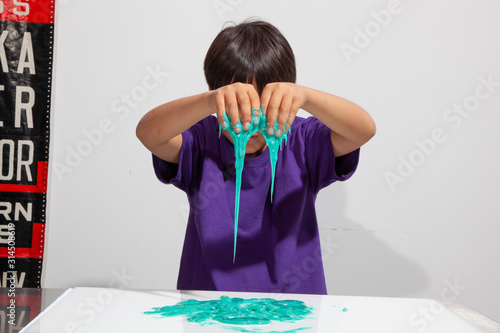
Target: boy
[278,249]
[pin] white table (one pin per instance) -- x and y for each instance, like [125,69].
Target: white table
[112,310]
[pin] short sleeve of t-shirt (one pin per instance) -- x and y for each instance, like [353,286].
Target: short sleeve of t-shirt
[192,151]
[324,168]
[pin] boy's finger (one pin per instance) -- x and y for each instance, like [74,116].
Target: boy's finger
[255,102]
[221,109]
[232,111]
[272,112]
[293,112]
[256,116]
[284,112]
[245,110]
[264,98]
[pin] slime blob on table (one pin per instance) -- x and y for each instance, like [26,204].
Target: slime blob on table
[237,311]
[240,140]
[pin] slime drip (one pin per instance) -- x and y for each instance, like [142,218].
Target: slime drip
[240,140]
[238,311]
[273,144]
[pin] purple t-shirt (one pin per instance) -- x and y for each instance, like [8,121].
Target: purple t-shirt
[278,246]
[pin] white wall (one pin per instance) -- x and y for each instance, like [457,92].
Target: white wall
[433,233]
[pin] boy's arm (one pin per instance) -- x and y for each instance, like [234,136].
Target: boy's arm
[160,130]
[350,124]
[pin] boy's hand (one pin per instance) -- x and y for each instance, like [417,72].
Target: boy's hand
[282,101]
[236,100]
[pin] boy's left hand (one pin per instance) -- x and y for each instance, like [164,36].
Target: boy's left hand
[282,101]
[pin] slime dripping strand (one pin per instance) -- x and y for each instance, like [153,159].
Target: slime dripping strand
[274,144]
[240,140]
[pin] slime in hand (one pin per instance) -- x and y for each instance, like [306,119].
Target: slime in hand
[240,140]
[237,311]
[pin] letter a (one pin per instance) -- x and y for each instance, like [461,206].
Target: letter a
[221,8]
[26,52]
[392,179]
[348,50]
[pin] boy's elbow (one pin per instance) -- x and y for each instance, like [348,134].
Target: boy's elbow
[141,132]
[371,130]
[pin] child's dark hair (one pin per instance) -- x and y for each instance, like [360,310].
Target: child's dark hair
[249,50]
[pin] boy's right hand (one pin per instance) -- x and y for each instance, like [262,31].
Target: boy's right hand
[236,100]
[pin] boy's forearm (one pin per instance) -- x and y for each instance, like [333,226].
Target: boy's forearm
[171,119]
[343,117]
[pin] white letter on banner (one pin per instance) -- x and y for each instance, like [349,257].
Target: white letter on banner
[21,4]
[26,51]
[25,163]
[24,106]
[3,57]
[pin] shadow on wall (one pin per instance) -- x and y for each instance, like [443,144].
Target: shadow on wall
[361,264]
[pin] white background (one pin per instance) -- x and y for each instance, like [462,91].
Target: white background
[433,232]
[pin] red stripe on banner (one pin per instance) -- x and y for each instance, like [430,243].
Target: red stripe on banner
[37,241]
[30,11]
[32,299]
[40,187]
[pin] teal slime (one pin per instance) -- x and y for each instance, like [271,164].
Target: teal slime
[274,144]
[237,311]
[240,140]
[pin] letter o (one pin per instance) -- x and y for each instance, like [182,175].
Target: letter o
[436,308]
[309,265]
[211,190]
[108,298]
[471,103]
[416,157]
[84,148]
[139,93]
[369,29]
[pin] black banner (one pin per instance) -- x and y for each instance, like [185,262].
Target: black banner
[26,48]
